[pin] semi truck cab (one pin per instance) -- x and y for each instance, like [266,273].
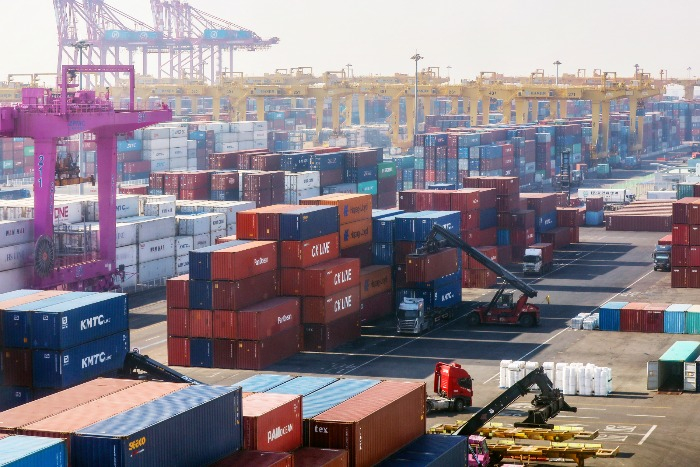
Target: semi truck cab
[662,257]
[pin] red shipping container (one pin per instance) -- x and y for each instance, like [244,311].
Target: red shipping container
[323,310]
[567,217]
[679,277]
[257,459]
[407,200]
[272,422]
[225,324]
[547,250]
[470,220]
[402,249]
[693,235]
[666,240]
[693,256]
[177,292]
[366,425]
[224,353]
[17,367]
[355,233]
[309,252]
[522,237]
[321,457]
[400,276]
[268,318]
[693,274]
[653,317]
[257,355]
[680,234]
[228,295]
[374,280]
[178,351]
[330,277]
[178,322]
[505,254]
[478,278]
[490,252]
[331,177]
[292,281]
[694,212]
[326,337]
[428,267]
[679,255]
[224,181]
[201,323]
[376,306]
[631,317]
[261,223]
[242,261]
[424,200]
[363,252]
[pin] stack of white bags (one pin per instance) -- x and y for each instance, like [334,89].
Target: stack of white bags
[571,378]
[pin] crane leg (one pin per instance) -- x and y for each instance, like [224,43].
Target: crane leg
[44,189]
[107,198]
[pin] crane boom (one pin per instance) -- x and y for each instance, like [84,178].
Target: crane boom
[449,239]
[135,361]
[548,404]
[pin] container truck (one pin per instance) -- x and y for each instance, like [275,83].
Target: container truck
[662,257]
[609,195]
[538,259]
[452,385]
[413,317]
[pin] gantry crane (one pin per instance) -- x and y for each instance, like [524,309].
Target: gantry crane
[47,117]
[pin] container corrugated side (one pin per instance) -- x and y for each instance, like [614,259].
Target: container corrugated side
[431,451]
[609,316]
[268,318]
[351,207]
[234,295]
[201,259]
[263,382]
[256,355]
[303,385]
[294,254]
[60,369]
[256,459]
[31,451]
[195,426]
[674,318]
[242,261]
[78,321]
[272,422]
[334,394]
[330,277]
[61,401]
[325,337]
[321,457]
[692,320]
[365,424]
[308,222]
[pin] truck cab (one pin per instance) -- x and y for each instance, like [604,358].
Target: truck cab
[453,386]
[480,450]
[662,257]
[411,316]
[532,261]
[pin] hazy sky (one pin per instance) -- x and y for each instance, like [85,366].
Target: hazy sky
[379,37]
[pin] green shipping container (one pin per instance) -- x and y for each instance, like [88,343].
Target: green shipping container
[576,149]
[7,164]
[420,164]
[684,190]
[28,151]
[386,170]
[367,188]
[692,320]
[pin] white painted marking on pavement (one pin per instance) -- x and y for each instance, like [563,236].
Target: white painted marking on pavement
[653,427]
[151,338]
[575,416]
[655,416]
[153,344]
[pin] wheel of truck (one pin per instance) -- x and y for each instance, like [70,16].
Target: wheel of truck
[473,319]
[527,321]
[429,406]
[459,405]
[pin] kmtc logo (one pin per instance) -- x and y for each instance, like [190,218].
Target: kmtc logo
[93,322]
[96,359]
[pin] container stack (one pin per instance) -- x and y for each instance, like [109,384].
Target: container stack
[265,411]
[164,148]
[16,250]
[642,216]
[594,211]
[52,340]
[685,252]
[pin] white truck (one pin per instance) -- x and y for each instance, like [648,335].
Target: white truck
[609,195]
[412,317]
[538,259]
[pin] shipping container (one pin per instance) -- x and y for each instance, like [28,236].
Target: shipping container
[261,223]
[609,316]
[256,459]
[323,310]
[668,373]
[308,222]
[263,382]
[303,385]
[428,267]
[674,318]
[365,424]
[431,451]
[177,292]
[256,355]
[325,337]
[201,353]
[272,422]
[168,431]
[269,318]
[692,320]
[30,451]
[653,317]
[353,234]
[631,317]
[242,261]
[201,295]
[224,353]
[235,295]
[330,277]
[318,457]
[16,367]
[178,351]
[377,306]
[302,254]
[351,207]
[201,259]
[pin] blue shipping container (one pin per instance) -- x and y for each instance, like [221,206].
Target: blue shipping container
[383,253]
[503,237]
[201,353]
[263,382]
[382,213]
[200,260]
[61,369]
[447,295]
[488,218]
[78,321]
[13,396]
[303,385]
[308,222]
[440,282]
[329,161]
[201,295]
[594,217]
[450,220]
[609,316]
[126,145]
[16,329]
[195,426]
[383,229]
[360,174]
[431,450]
[674,318]
[31,451]
[334,394]
[546,222]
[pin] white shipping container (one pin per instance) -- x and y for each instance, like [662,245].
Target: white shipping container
[302,180]
[260,135]
[293,197]
[127,255]
[245,145]
[183,245]
[160,165]
[218,221]
[191,164]
[195,224]
[127,206]
[16,232]
[156,249]
[259,126]
[178,142]
[145,199]
[130,277]
[179,163]
[159,209]
[230,229]
[226,138]
[245,137]
[230,208]
[242,127]
[155,133]
[16,256]
[216,127]
[201,241]
[178,132]
[226,147]
[15,279]
[156,144]
[182,265]
[151,228]
[260,144]
[217,234]
[191,145]
[156,271]
[156,155]
[176,153]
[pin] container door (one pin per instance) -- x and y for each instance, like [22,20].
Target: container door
[690,382]
[652,376]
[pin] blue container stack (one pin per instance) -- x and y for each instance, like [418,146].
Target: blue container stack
[383,235]
[53,340]
[431,451]
[609,316]
[201,288]
[674,318]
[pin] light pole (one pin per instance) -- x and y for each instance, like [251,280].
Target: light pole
[636,70]
[557,63]
[416,57]
[348,67]
[81,46]
[449,67]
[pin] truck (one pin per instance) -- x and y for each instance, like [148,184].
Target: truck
[452,386]
[414,317]
[609,195]
[538,259]
[662,257]
[503,308]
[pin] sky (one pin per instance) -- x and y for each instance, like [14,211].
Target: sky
[380,36]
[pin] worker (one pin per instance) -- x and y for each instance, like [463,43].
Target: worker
[547,298]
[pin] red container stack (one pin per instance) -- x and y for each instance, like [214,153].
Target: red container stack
[376,293]
[428,267]
[685,241]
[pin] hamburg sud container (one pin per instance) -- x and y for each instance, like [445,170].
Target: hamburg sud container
[428,267]
[366,425]
[272,422]
[29,451]
[256,459]
[59,369]
[11,420]
[263,382]
[268,318]
[195,426]
[78,321]
[609,316]
[323,310]
[235,295]
[241,261]
[374,280]
[302,254]
[308,222]
[351,207]
[433,451]
[321,457]
[674,318]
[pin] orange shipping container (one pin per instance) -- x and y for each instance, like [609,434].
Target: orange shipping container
[323,310]
[272,422]
[351,207]
[374,280]
[242,261]
[355,233]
